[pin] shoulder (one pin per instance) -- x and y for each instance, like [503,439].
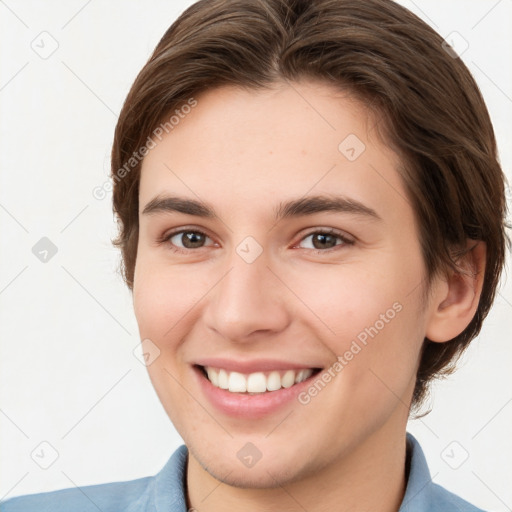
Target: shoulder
[423,495]
[109,497]
[163,491]
[442,499]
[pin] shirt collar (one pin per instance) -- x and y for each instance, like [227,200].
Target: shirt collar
[169,490]
[418,491]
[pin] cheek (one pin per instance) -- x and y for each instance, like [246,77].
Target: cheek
[354,301]
[156,305]
[162,297]
[373,324]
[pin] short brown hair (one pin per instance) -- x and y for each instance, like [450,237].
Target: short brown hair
[434,117]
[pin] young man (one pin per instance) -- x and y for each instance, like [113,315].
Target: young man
[312,225]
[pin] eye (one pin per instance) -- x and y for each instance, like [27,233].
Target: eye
[323,240]
[185,239]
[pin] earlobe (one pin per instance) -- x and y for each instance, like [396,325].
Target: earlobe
[457,296]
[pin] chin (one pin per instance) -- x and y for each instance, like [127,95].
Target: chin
[262,478]
[266,474]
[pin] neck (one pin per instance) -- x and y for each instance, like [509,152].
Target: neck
[371,477]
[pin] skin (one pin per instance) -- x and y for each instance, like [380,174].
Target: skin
[243,152]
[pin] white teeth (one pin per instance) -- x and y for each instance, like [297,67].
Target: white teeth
[237,383]
[223,379]
[213,376]
[257,382]
[273,381]
[288,379]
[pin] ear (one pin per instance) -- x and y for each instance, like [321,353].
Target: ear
[456,297]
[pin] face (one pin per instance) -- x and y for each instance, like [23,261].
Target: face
[298,272]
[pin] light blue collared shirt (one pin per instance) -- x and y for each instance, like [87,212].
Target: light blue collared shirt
[165,492]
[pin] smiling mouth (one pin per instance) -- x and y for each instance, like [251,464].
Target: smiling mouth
[257,382]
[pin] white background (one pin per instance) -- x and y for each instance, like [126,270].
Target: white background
[69,375]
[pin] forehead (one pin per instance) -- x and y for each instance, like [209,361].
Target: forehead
[248,146]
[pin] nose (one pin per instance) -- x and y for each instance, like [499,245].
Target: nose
[249,301]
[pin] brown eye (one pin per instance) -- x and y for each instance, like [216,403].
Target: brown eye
[325,240]
[192,239]
[186,239]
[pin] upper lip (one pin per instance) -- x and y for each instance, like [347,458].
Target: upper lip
[254,365]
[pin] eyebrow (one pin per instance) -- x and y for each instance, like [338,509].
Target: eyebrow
[293,208]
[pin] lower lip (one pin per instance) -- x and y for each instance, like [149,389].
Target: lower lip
[243,405]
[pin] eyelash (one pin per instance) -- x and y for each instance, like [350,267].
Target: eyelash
[165,239]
